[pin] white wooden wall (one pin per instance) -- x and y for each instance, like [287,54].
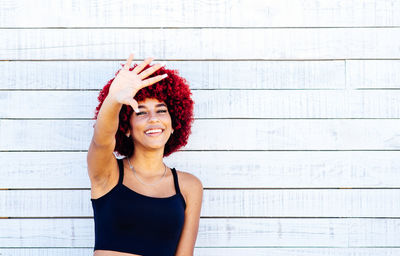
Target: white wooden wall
[297,130]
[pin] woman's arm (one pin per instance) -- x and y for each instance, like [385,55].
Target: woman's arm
[103,141]
[194,197]
[107,122]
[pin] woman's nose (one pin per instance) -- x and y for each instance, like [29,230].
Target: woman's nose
[153,117]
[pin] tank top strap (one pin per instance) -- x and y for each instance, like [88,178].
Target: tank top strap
[178,191]
[121,170]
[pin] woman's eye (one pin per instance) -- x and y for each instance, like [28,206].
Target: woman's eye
[145,112]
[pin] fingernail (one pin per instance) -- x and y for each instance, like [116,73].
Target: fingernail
[165,75]
[162,63]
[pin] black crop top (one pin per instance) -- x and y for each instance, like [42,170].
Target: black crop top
[127,221]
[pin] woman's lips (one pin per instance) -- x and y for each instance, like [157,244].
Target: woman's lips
[153,134]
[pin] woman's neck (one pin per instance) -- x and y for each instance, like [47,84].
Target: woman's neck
[148,163]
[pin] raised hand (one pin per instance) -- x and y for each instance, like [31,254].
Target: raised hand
[127,83]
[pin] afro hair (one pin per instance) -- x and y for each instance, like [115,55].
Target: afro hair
[174,91]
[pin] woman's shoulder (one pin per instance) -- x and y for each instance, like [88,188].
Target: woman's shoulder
[189,184]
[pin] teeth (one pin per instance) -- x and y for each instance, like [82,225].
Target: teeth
[153,131]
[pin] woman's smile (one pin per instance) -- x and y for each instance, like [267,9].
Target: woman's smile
[153,132]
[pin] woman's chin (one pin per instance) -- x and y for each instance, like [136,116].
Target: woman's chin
[153,146]
[151,143]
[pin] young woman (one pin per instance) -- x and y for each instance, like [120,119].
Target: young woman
[140,205]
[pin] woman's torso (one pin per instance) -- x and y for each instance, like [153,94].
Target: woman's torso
[164,191]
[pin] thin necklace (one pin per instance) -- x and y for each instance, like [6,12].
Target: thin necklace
[134,172]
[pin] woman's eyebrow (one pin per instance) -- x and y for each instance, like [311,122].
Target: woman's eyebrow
[158,105]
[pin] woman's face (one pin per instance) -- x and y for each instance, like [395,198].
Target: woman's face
[153,114]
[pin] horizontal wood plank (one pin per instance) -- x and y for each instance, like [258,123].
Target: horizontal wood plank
[274,75]
[206,74]
[270,44]
[222,203]
[219,134]
[220,232]
[219,104]
[249,13]
[220,169]
[220,251]
[372,74]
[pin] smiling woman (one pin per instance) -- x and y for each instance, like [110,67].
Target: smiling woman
[141,206]
[172,91]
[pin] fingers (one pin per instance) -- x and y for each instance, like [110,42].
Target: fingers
[141,66]
[149,71]
[152,80]
[134,104]
[128,62]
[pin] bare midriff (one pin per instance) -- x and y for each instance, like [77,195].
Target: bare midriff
[113,253]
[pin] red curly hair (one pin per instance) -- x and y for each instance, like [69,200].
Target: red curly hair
[174,91]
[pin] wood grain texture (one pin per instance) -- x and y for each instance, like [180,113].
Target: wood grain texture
[238,134]
[175,13]
[219,74]
[215,75]
[244,104]
[239,169]
[215,251]
[342,203]
[220,232]
[209,44]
